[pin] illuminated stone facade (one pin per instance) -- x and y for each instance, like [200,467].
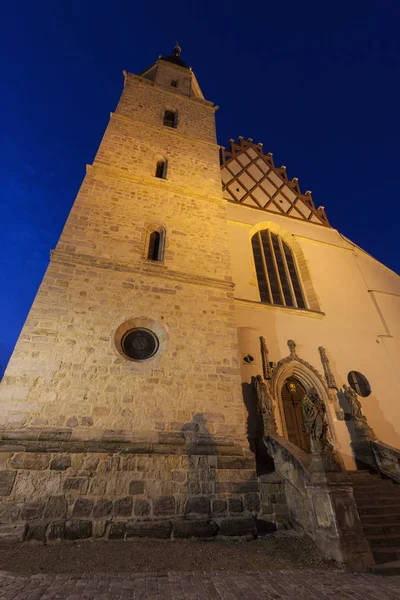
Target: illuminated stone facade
[95,443]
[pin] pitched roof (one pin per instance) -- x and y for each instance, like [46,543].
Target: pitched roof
[249,177]
[175,60]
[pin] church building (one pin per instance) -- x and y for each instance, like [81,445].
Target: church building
[206,354]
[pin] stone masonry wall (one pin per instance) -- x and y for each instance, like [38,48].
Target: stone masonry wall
[66,371]
[75,494]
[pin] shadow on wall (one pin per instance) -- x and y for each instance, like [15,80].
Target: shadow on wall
[384,430]
[255,431]
[220,484]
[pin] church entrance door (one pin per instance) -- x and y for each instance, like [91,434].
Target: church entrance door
[292,396]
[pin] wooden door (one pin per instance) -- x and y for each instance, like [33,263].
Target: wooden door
[292,396]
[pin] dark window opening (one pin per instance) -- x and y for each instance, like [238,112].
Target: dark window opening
[161,169]
[156,245]
[174,83]
[170,118]
[139,343]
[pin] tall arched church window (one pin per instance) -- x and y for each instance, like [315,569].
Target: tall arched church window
[277,275]
[156,244]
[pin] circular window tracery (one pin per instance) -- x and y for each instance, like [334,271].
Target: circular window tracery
[139,343]
[359,383]
[141,339]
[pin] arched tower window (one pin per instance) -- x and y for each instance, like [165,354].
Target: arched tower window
[171,118]
[161,169]
[156,244]
[277,275]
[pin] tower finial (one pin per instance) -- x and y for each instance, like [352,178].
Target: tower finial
[177,49]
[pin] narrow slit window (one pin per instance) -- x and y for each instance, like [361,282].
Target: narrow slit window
[161,169]
[277,276]
[155,249]
[171,118]
[174,83]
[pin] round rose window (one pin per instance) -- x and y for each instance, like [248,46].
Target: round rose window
[139,343]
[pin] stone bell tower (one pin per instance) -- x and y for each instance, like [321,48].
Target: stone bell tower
[132,333]
[121,405]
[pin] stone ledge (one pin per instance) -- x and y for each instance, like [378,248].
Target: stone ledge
[55,441]
[78,529]
[145,269]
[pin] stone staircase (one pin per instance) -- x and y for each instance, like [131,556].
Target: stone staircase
[378,503]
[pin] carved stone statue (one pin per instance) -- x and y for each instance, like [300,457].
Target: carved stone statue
[360,421]
[292,348]
[264,404]
[330,379]
[315,420]
[267,366]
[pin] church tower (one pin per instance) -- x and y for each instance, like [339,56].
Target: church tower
[123,396]
[132,330]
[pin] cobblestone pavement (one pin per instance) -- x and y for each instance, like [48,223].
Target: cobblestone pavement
[274,585]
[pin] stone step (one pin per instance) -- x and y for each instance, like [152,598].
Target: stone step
[378,484]
[381,502]
[381,529]
[383,554]
[381,498]
[388,568]
[374,508]
[379,518]
[379,493]
[383,540]
[363,476]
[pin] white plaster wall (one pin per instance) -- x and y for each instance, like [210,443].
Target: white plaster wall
[359,328]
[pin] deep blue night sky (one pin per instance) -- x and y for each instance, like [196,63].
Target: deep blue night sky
[316,82]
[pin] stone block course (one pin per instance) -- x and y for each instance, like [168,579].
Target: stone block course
[102,508]
[60,463]
[32,510]
[7,479]
[141,508]
[56,531]
[237,526]
[76,484]
[30,460]
[122,507]
[56,508]
[82,508]
[164,505]
[77,530]
[36,532]
[136,488]
[117,486]
[186,528]
[150,529]
[199,505]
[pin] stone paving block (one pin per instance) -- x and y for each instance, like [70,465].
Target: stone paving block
[287,585]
